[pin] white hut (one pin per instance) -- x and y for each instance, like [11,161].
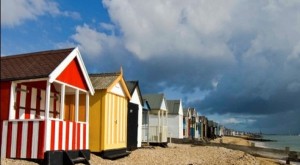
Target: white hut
[158,128]
[175,119]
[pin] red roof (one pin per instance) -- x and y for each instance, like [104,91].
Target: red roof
[32,65]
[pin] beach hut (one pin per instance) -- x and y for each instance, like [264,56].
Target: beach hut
[175,119]
[44,107]
[191,129]
[203,121]
[186,122]
[210,132]
[221,130]
[199,127]
[194,121]
[135,111]
[108,115]
[158,116]
[216,129]
[145,122]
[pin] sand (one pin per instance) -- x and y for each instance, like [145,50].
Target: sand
[244,142]
[185,154]
[232,140]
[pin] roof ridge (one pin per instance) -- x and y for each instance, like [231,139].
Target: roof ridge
[37,53]
[105,74]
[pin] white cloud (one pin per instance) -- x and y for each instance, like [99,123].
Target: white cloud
[156,28]
[91,41]
[107,26]
[15,12]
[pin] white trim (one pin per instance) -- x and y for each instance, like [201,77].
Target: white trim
[55,119]
[63,136]
[87,108]
[87,142]
[81,136]
[68,85]
[24,139]
[85,73]
[47,137]
[62,66]
[76,105]
[70,136]
[35,139]
[62,101]
[22,120]
[13,146]
[81,122]
[56,134]
[47,121]
[48,94]
[12,99]
[4,139]
[31,80]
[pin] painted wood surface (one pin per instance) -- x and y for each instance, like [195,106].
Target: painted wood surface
[136,100]
[25,139]
[108,118]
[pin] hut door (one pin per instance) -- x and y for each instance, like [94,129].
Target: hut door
[132,126]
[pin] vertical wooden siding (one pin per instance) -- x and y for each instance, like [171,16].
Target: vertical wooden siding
[25,139]
[96,118]
[115,129]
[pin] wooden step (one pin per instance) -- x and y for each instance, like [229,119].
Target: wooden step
[75,160]
[79,160]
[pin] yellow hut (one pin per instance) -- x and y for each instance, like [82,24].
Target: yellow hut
[108,115]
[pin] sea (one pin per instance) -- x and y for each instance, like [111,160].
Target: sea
[281,141]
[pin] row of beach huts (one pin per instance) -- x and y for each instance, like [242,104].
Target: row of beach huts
[53,111]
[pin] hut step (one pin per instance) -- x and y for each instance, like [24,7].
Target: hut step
[81,158]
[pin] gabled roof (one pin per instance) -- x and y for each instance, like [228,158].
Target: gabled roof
[193,112]
[146,106]
[155,100]
[187,112]
[173,106]
[106,81]
[31,65]
[132,85]
[45,64]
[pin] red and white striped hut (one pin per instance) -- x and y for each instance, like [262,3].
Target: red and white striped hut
[45,106]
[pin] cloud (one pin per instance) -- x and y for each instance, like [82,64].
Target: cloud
[180,28]
[233,120]
[15,12]
[241,57]
[92,42]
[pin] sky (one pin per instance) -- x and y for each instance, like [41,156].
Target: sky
[237,62]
